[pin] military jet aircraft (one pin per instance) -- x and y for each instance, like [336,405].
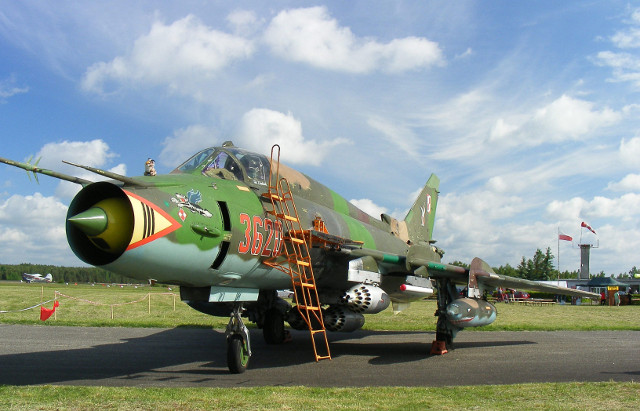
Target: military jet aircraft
[231,227]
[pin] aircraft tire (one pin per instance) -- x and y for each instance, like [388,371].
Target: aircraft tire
[237,355]
[273,328]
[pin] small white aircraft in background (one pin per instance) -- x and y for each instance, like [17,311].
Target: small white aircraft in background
[37,278]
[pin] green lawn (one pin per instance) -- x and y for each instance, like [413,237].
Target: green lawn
[86,305]
[550,396]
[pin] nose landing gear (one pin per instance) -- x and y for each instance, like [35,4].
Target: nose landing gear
[238,343]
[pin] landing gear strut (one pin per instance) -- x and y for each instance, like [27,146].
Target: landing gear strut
[445,331]
[238,344]
[273,327]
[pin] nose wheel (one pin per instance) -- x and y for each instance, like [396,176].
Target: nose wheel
[238,343]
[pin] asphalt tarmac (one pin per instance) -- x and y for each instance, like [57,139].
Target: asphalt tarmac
[183,357]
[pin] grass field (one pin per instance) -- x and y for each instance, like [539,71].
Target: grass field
[86,305]
[551,396]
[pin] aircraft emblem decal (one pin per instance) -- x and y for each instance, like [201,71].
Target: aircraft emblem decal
[425,210]
[190,202]
[156,222]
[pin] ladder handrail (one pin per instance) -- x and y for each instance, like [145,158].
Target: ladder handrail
[277,176]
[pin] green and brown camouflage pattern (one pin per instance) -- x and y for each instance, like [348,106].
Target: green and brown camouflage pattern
[206,224]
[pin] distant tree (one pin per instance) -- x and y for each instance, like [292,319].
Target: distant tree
[506,270]
[567,275]
[460,264]
[523,268]
[62,274]
[538,268]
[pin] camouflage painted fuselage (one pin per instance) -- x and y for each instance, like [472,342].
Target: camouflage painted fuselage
[206,224]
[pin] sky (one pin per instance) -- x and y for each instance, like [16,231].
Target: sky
[528,112]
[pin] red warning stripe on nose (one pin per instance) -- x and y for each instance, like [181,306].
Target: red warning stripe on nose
[150,221]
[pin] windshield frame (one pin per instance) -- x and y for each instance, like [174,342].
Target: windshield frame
[246,161]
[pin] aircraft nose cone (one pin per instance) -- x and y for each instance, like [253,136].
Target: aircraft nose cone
[92,222]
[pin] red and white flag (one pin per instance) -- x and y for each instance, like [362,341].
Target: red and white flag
[588,227]
[564,237]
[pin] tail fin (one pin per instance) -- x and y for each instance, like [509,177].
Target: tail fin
[422,215]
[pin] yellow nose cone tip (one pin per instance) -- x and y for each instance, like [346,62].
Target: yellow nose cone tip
[92,222]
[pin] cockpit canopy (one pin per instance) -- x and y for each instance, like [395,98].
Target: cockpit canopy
[228,162]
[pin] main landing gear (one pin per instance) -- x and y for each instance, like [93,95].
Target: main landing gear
[238,344]
[445,331]
[273,326]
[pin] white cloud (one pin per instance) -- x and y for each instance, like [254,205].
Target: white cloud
[625,64]
[244,22]
[501,129]
[177,55]
[312,36]
[625,208]
[261,128]
[571,118]
[369,207]
[630,150]
[94,153]
[184,143]
[630,36]
[32,230]
[565,118]
[627,39]
[9,89]
[398,135]
[568,210]
[468,52]
[631,182]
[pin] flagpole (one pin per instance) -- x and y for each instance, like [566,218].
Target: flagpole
[558,253]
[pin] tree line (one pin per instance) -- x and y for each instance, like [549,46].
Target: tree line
[540,268]
[63,274]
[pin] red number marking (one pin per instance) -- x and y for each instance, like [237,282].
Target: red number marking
[257,235]
[268,226]
[243,247]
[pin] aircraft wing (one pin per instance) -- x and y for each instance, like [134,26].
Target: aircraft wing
[479,273]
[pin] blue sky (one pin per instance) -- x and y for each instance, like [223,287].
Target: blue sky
[527,111]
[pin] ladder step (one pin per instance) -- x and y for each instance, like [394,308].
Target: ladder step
[272,196]
[294,240]
[308,307]
[288,217]
[301,284]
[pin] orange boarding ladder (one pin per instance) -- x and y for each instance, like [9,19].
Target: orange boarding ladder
[297,262]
